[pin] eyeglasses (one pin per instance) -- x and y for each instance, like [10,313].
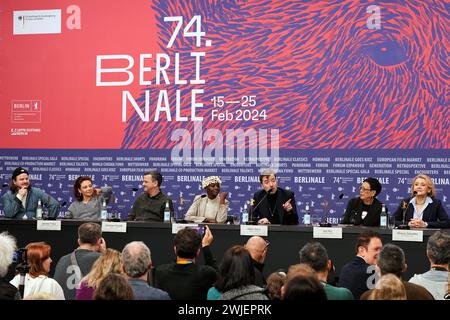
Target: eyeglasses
[364,189]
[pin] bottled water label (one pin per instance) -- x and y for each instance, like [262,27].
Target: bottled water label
[307,219]
[383,221]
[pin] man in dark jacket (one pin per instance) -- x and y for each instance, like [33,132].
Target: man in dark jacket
[257,247]
[272,204]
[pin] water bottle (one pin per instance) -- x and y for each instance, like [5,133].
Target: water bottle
[244,219]
[104,212]
[383,217]
[167,214]
[307,216]
[39,210]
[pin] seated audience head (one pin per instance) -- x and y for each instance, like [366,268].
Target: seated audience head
[7,248]
[299,269]
[236,269]
[187,243]
[388,287]
[114,287]
[136,259]
[438,249]
[40,296]
[108,262]
[423,179]
[370,188]
[315,255]
[212,185]
[275,282]
[90,235]
[304,288]
[368,245]
[38,257]
[391,260]
[83,186]
[257,247]
[20,179]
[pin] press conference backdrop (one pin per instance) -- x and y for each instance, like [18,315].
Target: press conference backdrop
[325,94]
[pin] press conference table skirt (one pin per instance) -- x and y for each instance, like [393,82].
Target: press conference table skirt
[285,242]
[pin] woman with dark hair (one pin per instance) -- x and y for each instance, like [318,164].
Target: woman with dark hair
[304,288]
[237,277]
[366,209]
[422,209]
[89,200]
[37,280]
[114,287]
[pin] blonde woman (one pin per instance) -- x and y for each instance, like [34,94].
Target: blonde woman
[389,287]
[109,262]
[422,209]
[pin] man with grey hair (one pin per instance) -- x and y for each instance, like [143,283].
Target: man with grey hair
[437,278]
[315,255]
[136,263]
[7,248]
[272,204]
[391,259]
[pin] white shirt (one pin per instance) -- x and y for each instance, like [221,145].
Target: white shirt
[39,284]
[210,209]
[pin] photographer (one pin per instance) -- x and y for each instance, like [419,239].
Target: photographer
[37,280]
[7,247]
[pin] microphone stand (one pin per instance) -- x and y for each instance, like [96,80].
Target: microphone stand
[252,209]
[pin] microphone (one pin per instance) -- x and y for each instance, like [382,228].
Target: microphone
[252,209]
[405,206]
[325,224]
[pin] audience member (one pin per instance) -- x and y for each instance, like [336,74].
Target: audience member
[273,204]
[21,201]
[7,248]
[237,277]
[391,259]
[114,287]
[137,262]
[257,247]
[213,207]
[355,274]
[37,280]
[304,288]
[388,287]
[436,279]
[275,281]
[88,203]
[108,262]
[186,279]
[150,205]
[315,255]
[72,267]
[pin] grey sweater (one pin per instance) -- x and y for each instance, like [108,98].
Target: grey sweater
[90,210]
[250,292]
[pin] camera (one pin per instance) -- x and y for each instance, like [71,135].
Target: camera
[20,256]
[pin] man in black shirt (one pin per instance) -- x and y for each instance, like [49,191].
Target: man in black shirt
[273,205]
[150,205]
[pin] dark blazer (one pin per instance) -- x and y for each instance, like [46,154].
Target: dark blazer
[354,277]
[262,211]
[434,214]
[353,213]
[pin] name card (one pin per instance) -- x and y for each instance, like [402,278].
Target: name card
[252,230]
[327,233]
[53,225]
[178,226]
[108,226]
[407,235]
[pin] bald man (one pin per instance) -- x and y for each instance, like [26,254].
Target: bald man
[257,247]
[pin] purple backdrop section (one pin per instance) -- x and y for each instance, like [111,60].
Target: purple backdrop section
[315,176]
